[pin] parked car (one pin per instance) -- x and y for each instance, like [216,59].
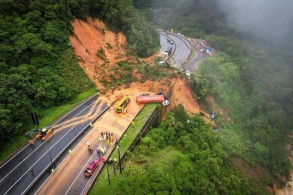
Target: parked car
[91,168]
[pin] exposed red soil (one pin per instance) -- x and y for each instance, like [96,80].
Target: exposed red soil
[181,94]
[152,58]
[91,35]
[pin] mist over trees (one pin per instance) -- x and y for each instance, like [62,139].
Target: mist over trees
[38,68]
[250,78]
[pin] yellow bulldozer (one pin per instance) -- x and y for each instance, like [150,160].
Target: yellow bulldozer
[121,106]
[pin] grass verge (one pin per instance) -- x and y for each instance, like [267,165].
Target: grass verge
[51,115]
[101,185]
[54,113]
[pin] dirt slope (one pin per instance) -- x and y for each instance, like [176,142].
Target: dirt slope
[90,37]
[181,94]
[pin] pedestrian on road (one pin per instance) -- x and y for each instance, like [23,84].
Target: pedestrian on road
[88,145]
[32,171]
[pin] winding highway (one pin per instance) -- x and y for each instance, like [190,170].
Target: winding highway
[29,166]
[182,51]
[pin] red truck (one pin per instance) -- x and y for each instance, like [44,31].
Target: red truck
[143,99]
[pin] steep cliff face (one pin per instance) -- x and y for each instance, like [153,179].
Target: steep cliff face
[99,52]
[96,48]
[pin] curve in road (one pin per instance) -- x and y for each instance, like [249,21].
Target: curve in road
[183,51]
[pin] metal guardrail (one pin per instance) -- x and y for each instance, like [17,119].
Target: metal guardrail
[143,131]
[88,127]
[153,119]
[186,42]
[174,44]
[3,162]
[94,176]
[183,39]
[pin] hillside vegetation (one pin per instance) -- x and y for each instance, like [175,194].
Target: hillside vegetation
[38,67]
[181,156]
[249,80]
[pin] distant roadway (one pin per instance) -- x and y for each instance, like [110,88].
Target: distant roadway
[16,176]
[182,57]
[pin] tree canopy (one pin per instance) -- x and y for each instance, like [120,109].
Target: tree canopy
[183,155]
[250,78]
[37,64]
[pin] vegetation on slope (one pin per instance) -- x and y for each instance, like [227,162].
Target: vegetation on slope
[181,156]
[120,15]
[249,78]
[38,67]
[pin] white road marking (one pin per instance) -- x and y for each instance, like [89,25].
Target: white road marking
[56,156]
[50,175]
[52,125]
[38,160]
[90,178]
[44,155]
[43,143]
[77,107]
[81,171]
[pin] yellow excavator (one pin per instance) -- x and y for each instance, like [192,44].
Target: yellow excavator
[43,134]
[122,104]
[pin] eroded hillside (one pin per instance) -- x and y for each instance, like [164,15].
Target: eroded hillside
[104,57]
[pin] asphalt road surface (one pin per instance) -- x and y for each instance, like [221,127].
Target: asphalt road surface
[165,45]
[181,57]
[16,177]
[68,177]
[182,50]
[191,65]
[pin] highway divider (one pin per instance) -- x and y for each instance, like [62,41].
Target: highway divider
[16,152]
[152,120]
[80,104]
[173,42]
[183,39]
[67,147]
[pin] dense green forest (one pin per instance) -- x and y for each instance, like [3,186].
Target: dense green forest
[37,64]
[181,156]
[250,79]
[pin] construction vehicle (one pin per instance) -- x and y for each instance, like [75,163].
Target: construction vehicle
[122,104]
[29,134]
[43,134]
[142,99]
